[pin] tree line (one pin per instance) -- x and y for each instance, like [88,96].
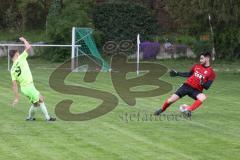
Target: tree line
[56,17]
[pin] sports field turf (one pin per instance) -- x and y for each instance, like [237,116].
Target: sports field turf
[213,132]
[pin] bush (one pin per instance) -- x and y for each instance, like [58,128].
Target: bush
[186,39]
[13,20]
[201,46]
[8,15]
[60,26]
[99,38]
[34,16]
[123,21]
[165,38]
[227,43]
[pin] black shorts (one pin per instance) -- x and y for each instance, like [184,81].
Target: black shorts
[185,89]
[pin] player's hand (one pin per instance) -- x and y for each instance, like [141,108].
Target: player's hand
[22,39]
[15,102]
[173,73]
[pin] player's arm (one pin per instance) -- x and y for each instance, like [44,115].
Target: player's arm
[15,91]
[26,44]
[174,73]
[207,84]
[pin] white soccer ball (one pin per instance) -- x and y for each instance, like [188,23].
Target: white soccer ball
[183,107]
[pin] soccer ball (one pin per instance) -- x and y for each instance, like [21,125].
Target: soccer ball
[183,107]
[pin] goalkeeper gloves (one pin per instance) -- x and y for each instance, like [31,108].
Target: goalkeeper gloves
[173,73]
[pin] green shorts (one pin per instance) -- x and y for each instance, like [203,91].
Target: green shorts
[31,92]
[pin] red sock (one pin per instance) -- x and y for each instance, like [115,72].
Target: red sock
[165,105]
[195,105]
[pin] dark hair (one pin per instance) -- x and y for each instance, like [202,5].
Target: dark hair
[207,54]
[12,53]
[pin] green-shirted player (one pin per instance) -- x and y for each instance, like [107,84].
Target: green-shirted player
[22,76]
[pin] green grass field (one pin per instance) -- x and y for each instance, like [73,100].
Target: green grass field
[213,132]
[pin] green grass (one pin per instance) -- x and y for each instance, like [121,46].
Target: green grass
[213,132]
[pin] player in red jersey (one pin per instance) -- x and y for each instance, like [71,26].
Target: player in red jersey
[200,77]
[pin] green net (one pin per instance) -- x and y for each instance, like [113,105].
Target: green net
[83,37]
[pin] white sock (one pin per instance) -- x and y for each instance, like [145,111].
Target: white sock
[44,111]
[31,112]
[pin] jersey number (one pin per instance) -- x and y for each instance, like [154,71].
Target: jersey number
[18,71]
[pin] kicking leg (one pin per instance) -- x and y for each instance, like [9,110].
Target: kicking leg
[167,103]
[181,92]
[199,100]
[170,101]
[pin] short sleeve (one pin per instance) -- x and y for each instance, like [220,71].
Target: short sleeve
[24,55]
[13,76]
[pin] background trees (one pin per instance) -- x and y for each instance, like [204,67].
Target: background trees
[192,17]
[123,19]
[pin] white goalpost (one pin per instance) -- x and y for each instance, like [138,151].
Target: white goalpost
[138,52]
[73,55]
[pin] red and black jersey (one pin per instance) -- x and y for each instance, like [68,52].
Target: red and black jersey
[199,72]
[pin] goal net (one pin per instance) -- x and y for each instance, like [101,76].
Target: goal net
[86,50]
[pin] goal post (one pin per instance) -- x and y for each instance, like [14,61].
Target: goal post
[82,44]
[87,47]
[73,50]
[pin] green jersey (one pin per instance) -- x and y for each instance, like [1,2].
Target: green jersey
[20,70]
